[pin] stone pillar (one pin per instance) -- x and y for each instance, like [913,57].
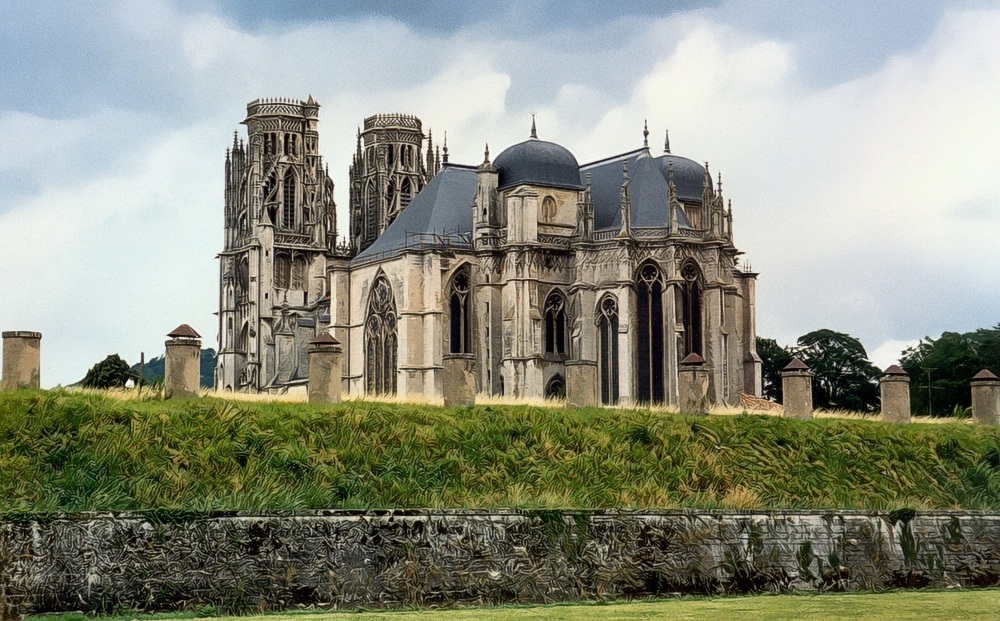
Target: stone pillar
[796,390]
[22,360]
[692,385]
[325,376]
[458,380]
[581,384]
[182,372]
[985,398]
[895,385]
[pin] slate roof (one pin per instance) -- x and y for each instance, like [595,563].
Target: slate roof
[647,188]
[443,208]
[537,162]
[441,214]
[184,331]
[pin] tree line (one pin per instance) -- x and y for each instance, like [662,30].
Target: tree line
[844,378]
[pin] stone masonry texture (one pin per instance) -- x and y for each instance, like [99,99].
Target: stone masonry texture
[21,360]
[381,559]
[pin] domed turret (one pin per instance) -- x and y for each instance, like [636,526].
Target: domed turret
[537,162]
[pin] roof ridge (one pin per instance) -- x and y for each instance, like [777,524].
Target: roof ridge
[613,157]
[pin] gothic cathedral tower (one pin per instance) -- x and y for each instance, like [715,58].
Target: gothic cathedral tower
[387,171]
[280,226]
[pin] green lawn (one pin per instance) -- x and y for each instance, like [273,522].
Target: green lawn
[66,451]
[915,605]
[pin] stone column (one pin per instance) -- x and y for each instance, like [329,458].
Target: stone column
[581,384]
[985,398]
[692,385]
[895,385]
[325,376]
[458,380]
[182,372]
[22,361]
[796,389]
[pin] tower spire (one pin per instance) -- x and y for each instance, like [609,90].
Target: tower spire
[645,133]
[534,132]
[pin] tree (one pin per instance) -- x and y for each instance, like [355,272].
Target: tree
[843,377]
[773,358]
[112,372]
[940,369]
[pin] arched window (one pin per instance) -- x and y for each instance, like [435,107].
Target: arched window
[405,193]
[282,271]
[299,269]
[242,278]
[390,156]
[371,213]
[607,333]
[556,388]
[690,305]
[288,209]
[229,334]
[380,340]
[649,335]
[461,315]
[555,324]
[390,197]
[548,209]
[244,343]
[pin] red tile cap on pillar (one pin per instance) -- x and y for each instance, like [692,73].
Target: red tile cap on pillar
[184,331]
[324,338]
[692,359]
[894,370]
[985,374]
[796,365]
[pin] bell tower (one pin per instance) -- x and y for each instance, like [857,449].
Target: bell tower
[280,225]
[387,171]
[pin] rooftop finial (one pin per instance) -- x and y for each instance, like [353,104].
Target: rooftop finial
[444,149]
[625,171]
[645,133]
[486,153]
[534,132]
[666,142]
[720,182]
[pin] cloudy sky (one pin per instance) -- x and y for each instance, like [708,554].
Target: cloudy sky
[859,141]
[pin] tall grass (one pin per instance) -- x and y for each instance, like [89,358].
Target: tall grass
[63,451]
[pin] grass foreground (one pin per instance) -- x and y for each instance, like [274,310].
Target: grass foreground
[68,451]
[894,606]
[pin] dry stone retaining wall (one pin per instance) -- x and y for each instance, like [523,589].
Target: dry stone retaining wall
[251,562]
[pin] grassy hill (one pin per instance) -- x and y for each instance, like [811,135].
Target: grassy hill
[64,451]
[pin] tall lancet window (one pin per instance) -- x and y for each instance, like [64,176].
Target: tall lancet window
[649,335]
[461,315]
[282,271]
[288,207]
[607,333]
[555,324]
[380,340]
[690,305]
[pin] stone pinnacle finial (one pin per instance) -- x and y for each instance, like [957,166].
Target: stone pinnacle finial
[486,154]
[645,133]
[720,182]
[534,132]
[444,149]
[625,171]
[666,142]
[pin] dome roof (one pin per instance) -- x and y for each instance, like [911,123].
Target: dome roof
[537,162]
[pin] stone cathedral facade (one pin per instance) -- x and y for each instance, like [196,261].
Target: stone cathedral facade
[524,265]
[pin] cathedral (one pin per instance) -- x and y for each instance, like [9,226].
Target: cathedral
[525,264]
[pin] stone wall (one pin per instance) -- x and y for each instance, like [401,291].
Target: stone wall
[345,559]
